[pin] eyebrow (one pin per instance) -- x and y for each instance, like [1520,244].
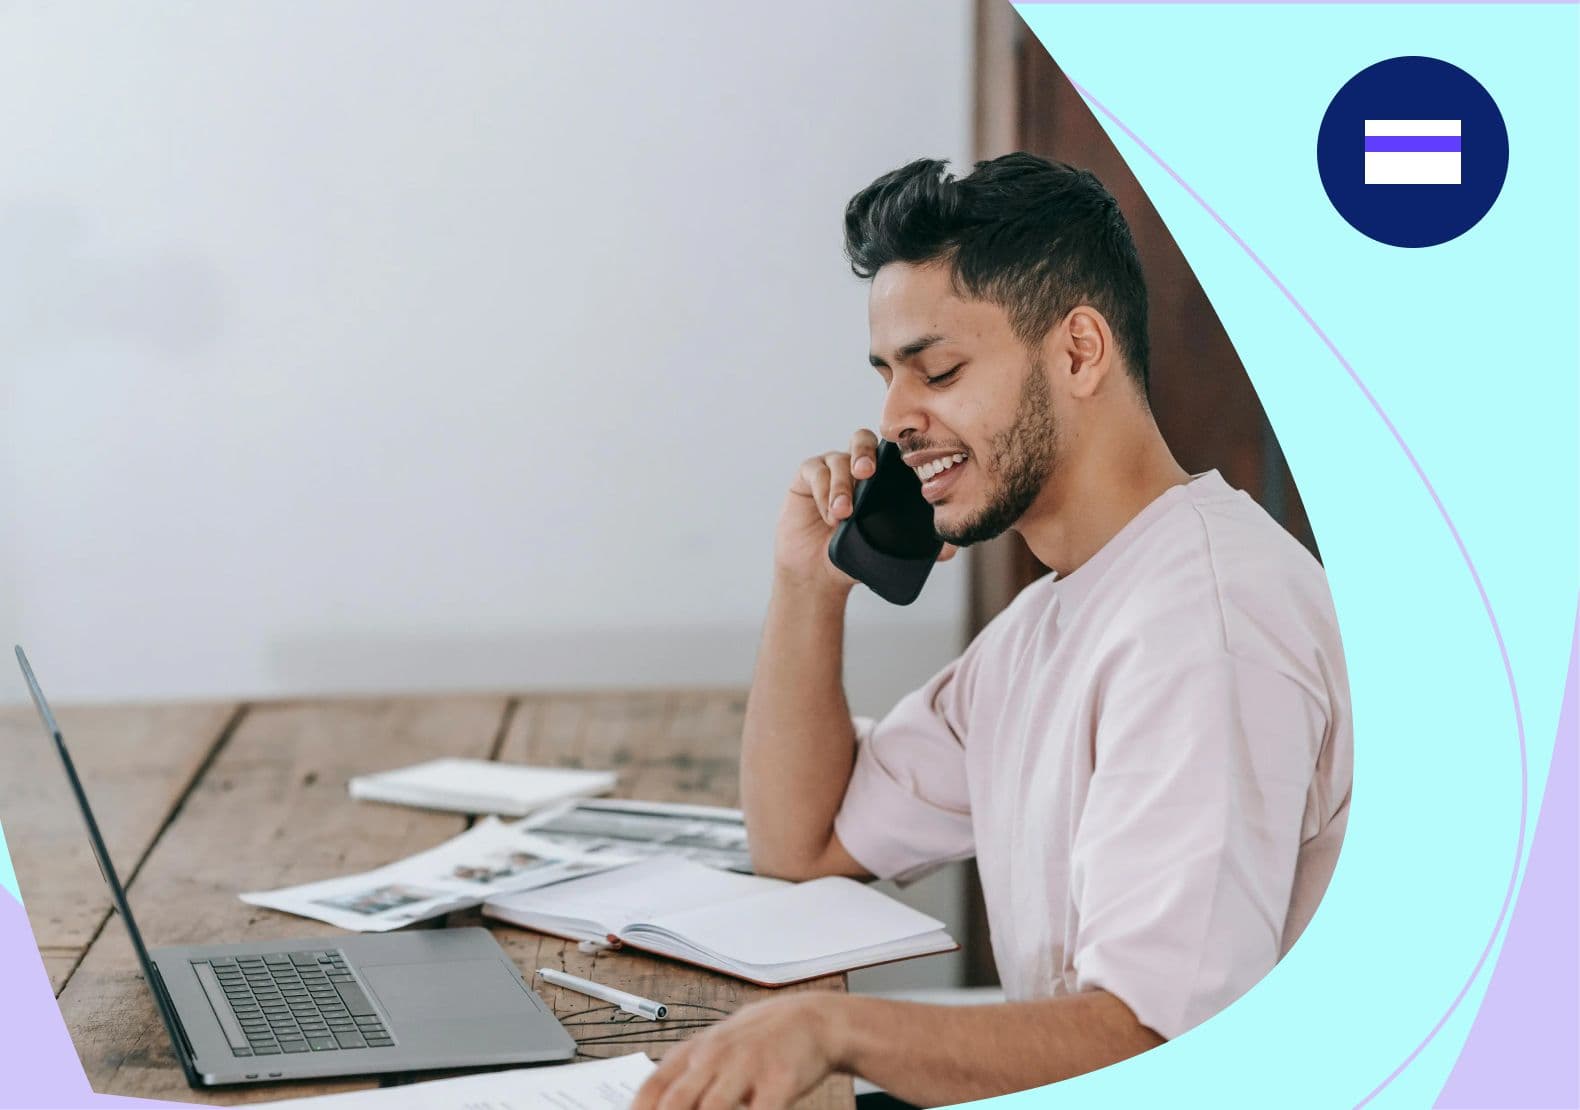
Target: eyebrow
[909,351]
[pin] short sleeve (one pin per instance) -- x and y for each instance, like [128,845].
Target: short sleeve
[1185,851]
[907,808]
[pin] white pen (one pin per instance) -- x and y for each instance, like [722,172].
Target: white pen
[630,1003]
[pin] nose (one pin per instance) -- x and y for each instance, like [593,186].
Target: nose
[903,414]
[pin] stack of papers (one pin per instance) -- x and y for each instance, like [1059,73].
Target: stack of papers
[490,858]
[632,830]
[563,842]
[480,786]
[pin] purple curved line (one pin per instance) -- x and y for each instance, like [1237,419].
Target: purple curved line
[1497,632]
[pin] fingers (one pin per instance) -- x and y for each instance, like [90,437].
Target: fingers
[765,1055]
[863,454]
[685,1090]
[726,1092]
[830,479]
[702,1079]
[815,477]
[772,1093]
[840,489]
[672,1067]
[949,552]
[716,1084]
[648,1094]
[826,479]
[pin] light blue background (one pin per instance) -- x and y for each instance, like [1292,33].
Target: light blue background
[1470,348]
[7,872]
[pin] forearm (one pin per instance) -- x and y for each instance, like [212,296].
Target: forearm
[933,1055]
[798,745]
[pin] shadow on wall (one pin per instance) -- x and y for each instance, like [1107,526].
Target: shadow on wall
[64,284]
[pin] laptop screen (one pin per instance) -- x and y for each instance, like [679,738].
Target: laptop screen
[106,868]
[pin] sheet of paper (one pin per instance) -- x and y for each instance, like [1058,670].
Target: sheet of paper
[489,858]
[634,830]
[598,1085]
[480,786]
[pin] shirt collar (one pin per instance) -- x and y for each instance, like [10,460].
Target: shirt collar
[1074,588]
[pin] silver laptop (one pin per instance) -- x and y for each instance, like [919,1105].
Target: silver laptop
[267,1011]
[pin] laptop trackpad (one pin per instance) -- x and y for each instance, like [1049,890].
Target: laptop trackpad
[453,989]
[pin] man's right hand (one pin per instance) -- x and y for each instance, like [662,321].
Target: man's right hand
[821,495]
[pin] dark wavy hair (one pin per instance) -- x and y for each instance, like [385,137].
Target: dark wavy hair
[1034,237]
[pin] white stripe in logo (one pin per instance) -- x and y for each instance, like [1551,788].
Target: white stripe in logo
[1412,151]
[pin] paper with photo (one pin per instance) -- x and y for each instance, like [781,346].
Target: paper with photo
[597,1085]
[633,830]
[488,859]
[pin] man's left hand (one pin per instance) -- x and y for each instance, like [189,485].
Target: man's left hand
[765,1056]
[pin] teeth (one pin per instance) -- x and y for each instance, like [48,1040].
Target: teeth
[929,470]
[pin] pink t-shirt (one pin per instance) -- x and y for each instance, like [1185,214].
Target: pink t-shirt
[1150,759]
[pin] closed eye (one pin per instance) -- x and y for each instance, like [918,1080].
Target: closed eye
[945,377]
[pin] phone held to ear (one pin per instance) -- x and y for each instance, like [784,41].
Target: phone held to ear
[887,542]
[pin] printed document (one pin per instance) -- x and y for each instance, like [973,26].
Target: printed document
[488,859]
[631,830]
[599,1085]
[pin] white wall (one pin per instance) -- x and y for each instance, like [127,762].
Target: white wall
[380,346]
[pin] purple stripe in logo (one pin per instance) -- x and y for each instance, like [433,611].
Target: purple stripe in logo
[1412,142]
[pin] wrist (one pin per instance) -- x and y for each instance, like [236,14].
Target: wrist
[837,1030]
[816,591]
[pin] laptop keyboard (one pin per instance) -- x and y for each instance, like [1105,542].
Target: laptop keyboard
[290,1002]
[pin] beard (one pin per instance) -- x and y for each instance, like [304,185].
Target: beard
[1021,457]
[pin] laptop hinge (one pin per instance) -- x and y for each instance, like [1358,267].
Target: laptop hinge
[189,1057]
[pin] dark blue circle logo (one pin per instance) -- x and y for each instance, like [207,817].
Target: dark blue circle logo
[1413,152]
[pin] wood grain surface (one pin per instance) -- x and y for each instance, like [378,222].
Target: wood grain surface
[667,746]
[213,800]
[135,762]
[270,811]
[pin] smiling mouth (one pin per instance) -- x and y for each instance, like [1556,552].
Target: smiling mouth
[927,471]
[938,477]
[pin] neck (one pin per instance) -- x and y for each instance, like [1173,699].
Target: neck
[1103,477]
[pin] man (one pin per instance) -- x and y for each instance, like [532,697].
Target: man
[1148,752]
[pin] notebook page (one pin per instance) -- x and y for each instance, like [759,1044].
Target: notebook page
[636,892]
[796,922]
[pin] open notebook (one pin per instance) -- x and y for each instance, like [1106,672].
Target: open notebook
[765,931]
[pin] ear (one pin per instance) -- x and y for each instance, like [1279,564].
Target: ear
[1090,348]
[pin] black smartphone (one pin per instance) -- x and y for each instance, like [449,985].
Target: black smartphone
[888,542]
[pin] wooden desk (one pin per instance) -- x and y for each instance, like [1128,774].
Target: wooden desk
[198,802]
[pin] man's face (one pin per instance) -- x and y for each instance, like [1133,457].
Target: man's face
[967,403]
